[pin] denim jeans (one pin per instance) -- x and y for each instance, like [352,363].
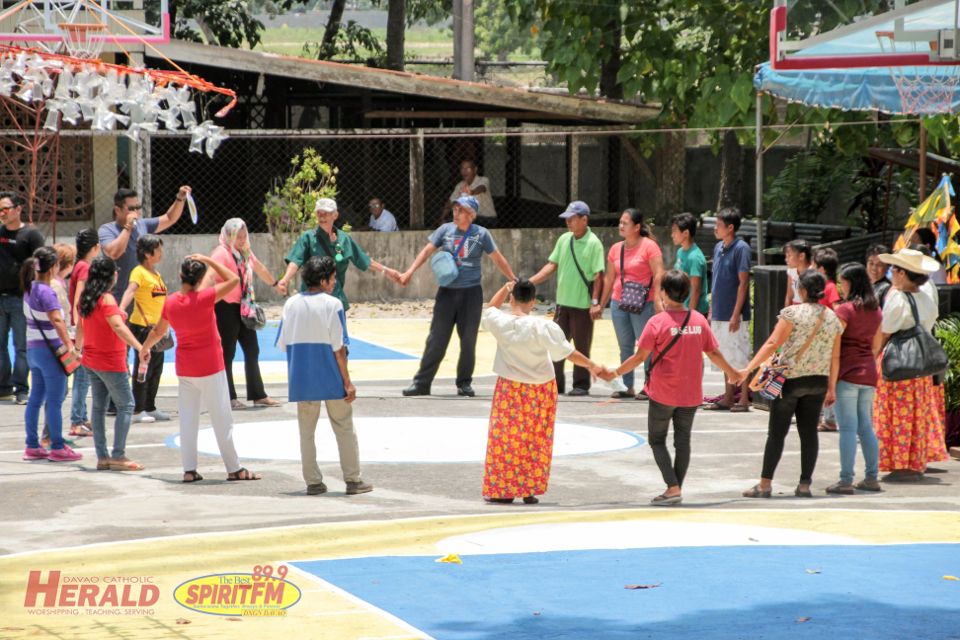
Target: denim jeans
[78,405]
[12,319]
[628,327]
[111,385]
[854,411]
[49,391]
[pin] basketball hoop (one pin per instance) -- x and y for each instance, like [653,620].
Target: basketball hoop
[925,90]
[77,42]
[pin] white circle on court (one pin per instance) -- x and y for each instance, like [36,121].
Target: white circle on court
[404,439]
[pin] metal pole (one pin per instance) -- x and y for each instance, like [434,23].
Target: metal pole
[457,38]
[758,179]
[466,46]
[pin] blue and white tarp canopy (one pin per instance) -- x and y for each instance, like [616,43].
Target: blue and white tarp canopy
[921,90]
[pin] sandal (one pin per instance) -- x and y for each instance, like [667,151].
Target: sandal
[499,500]
[530,500]
[237,404]
[757,492]
[103,464]
[125,464]
[622,395]
[739,408]
[191,476]
[666,501]
[826,427]
[243,474]
[80,431]
[803,493]
[267,402]
[716,406]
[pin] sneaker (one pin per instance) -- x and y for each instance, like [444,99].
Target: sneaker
[316,489]
[466,390]
[414,390]
[21,397]
[39,453]
[64,455]
[868,484]
[143,416]
[577,391]
[353,488]
[158,415]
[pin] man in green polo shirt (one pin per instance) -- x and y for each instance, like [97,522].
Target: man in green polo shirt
[578,261]
[327,240]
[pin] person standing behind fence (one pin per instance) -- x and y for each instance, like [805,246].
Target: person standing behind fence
[676,339]
[148,292]
[690,260]
[46,337]
[633,265]
[313,333]
[908,415]
[524,408]
[380,218]
[119,237]
[103,337]
[88,248]
[477,186]
[17,243]
[235,254]
[577,259]
[860,317]
[459,303]
[199,363]
[730,305]
[327,240]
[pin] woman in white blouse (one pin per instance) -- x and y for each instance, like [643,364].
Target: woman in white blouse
[520,440]
[908,415]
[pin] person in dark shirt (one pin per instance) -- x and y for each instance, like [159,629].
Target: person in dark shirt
[17,243]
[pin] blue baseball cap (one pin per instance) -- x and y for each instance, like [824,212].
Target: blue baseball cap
[576,208]
[470,202]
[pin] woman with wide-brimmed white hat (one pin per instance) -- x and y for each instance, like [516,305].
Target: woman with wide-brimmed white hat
[908,415]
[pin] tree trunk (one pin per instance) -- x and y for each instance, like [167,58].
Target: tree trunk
[671,160]
[327,46]
[396,31]
[731,172]
[205,29]
[609,87]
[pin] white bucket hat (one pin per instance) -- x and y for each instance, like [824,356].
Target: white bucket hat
[326,204]
[911,260]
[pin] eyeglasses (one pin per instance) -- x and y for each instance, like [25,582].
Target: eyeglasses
[10,208]
[134,207]
[374,206]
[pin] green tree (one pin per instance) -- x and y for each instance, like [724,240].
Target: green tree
[228,23]
[498,34]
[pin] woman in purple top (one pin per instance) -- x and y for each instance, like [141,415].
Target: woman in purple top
[46,334]
[860,343]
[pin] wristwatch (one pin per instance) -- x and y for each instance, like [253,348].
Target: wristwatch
[594,301]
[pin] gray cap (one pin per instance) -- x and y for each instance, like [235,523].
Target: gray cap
[576,208]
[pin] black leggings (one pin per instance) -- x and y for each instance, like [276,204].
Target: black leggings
[802,397]
[145,393]
[232,330]
[658,424]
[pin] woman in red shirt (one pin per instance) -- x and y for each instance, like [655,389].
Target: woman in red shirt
[103,336]
[199,361]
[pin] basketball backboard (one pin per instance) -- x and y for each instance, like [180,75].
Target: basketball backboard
[823,34]
[81,28]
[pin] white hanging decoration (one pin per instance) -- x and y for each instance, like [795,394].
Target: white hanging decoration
[206,136]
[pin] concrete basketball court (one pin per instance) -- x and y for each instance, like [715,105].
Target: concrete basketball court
[869,565]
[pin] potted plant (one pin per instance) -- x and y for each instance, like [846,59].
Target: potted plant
[947,331]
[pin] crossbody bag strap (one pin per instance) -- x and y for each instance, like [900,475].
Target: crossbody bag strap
[623,250]
[669,345]
[577,265]
[813,334]
[42,333]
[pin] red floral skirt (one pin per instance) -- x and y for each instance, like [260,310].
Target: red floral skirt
[909,418]
[520,440]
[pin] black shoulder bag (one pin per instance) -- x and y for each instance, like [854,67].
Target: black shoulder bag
[669,346]
[912,353]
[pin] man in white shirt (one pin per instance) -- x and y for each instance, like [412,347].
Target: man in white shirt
[380,218]
[476,186]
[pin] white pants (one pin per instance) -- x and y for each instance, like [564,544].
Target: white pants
[215,394]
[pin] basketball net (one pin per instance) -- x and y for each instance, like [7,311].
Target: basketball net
[77,42]
[924,90]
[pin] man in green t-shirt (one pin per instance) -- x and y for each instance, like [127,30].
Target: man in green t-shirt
[578,261]
[327,240]
[690,260]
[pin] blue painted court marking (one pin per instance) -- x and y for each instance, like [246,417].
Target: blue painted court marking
[359,349]
[734,592]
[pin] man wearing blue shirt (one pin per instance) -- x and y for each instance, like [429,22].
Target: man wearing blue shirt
[118,239]
[730,305]
[459,303]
